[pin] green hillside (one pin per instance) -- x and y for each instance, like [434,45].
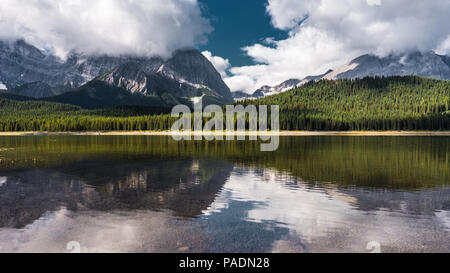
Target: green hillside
[394,103]
[99,95]
[5,94]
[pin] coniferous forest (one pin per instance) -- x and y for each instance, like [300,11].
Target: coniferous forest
[392,103]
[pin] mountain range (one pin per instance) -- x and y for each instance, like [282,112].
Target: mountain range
[424,64]
[91,82]
[100,81]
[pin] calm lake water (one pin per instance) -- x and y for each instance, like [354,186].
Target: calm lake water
[152,194]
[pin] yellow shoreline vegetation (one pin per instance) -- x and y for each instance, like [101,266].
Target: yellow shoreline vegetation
[224,133]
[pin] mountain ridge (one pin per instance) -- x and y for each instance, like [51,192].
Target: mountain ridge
[424,64]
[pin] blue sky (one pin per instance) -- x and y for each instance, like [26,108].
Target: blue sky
[237,23]
[334,33]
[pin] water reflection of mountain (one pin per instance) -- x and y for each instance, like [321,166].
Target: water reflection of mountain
[185,187]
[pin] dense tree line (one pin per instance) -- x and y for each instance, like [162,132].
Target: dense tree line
[47,116]
[87,123]
[394,103]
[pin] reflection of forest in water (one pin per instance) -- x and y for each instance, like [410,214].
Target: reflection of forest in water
[374,162]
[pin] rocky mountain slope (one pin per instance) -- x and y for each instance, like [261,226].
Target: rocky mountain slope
[187,75]
[428,65]
[21,63]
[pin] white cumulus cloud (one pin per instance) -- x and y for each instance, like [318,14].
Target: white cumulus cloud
[140,27]
[444,47]
[324,34]
[219,63]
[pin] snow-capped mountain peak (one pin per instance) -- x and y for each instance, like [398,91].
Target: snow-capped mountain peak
[423,64]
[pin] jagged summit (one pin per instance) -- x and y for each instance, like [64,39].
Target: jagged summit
[187,74]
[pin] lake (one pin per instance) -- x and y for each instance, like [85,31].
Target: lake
[153,194]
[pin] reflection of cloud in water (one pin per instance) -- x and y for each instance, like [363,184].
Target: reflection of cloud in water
[444,217]
[143,231]
[2,181]
[309,212]
[293,209]
[326,216]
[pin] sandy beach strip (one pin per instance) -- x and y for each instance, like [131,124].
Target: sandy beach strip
[225,133]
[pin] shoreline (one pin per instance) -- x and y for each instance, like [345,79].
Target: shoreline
[224,133]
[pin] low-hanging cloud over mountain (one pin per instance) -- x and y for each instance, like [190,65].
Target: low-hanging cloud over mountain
[113,27]
[325,34]
[219,63]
